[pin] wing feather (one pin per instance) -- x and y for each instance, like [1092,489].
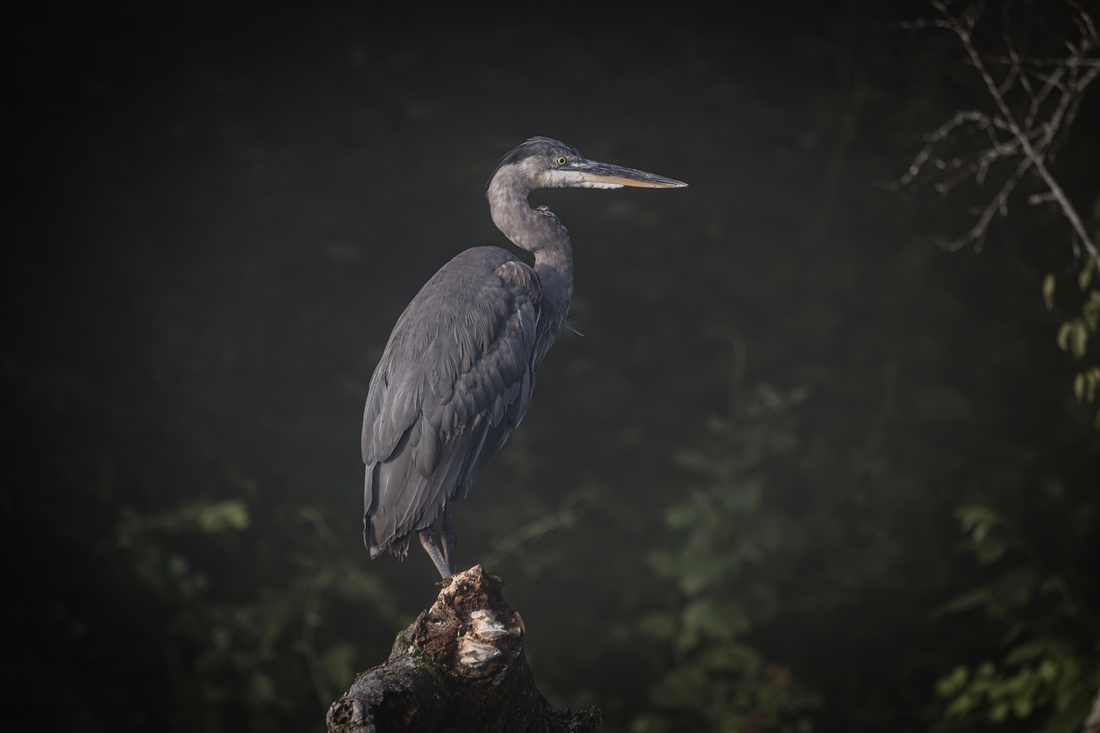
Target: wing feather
[454,381]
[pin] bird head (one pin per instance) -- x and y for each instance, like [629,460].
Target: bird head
[544,163]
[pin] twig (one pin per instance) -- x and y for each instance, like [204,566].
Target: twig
[1035,157]
[1051,89]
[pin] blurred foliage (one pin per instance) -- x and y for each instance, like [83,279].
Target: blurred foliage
[217,227]
[1073,334]
[1049,666]
[716,681]
[139,600]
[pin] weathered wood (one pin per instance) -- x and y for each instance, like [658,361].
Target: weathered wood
[459,667]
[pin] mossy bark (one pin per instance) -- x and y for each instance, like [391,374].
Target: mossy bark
[459,667]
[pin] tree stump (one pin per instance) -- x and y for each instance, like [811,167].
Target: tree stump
[459,667]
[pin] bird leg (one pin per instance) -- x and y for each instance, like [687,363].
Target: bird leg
[427,539]
[450,539]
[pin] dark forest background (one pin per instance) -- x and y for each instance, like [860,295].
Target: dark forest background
[805,469]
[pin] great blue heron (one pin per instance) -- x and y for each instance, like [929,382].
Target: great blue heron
[458,370]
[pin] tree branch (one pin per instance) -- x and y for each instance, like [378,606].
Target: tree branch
[1051,90]
[1092,722]
[1036,158]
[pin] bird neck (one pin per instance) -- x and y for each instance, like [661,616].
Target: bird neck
[535,230]
[538,231]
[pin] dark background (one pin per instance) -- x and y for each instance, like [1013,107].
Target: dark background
[735,504]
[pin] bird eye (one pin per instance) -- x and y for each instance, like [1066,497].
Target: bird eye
[561,161]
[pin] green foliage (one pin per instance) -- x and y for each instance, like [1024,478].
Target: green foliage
[163,603]
[1053,685]
[1073,334]
[718,682]
[1049,670]
[246,647]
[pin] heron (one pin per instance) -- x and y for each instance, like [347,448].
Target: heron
[458,371]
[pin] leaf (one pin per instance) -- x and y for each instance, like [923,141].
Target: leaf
[954,682]
[1063,336]
[967,601]
[977,519]
[222,516]
[971,515]
[1028,652]
[206,518]
[1079,337]
[1085,384]
[1090,311]
[1048,290]
[1085,276]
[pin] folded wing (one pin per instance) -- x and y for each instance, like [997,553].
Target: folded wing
[455,379]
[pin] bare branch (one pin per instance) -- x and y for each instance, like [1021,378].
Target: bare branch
[1071,63]
[1092,722]
[976,235]
[1047,93]
[1035,157]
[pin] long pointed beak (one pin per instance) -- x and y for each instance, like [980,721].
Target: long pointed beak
[614,175]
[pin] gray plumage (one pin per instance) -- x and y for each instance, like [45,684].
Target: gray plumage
[458,371]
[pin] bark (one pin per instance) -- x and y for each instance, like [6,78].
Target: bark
[459,667]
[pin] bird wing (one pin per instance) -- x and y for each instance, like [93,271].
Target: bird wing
[454,381]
